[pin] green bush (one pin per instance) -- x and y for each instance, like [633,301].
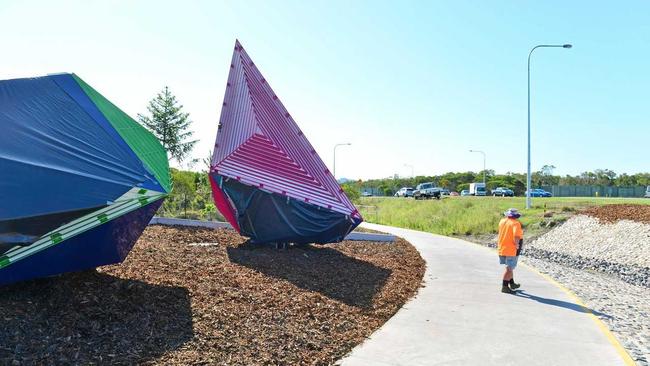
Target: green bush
[462,186]
[352,192]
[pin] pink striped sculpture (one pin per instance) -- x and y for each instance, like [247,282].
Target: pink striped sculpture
[267,180]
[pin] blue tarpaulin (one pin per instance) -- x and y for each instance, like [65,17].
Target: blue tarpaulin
[71,162]
[79,178]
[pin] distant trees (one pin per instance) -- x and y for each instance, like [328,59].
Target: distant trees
[547,170]
[191,197]
[457,181]
[169,124]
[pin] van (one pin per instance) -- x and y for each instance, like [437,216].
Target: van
[477,189]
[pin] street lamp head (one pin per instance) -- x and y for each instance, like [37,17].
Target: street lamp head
[567,46]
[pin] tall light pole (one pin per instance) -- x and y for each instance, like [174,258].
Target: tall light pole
[479,151]
[410,166]
[335,146]
[528,178]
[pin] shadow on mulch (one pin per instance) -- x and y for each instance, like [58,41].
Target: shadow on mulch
[91,317]
[320,269]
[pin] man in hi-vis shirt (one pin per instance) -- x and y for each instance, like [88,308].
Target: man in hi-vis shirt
[510,236]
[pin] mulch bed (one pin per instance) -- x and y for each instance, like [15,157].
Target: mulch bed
[223,303]
[613,213]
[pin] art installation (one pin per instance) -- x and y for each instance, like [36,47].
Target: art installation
[79,179]
[267,180]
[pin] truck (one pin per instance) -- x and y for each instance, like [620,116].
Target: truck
[426,190]
[477,189]
[503,192]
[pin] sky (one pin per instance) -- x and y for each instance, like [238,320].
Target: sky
[407,83]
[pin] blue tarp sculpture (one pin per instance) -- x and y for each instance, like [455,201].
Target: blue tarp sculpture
[79,179]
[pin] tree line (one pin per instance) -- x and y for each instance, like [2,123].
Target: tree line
[458,181]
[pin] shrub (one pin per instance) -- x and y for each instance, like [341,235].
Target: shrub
[352,193]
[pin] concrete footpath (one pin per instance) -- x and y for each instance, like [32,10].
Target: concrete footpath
[460,317]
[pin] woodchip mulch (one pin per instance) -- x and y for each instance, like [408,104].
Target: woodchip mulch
[223,302]
[616,212]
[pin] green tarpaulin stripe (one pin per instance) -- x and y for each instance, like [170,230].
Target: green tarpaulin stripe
[142,191]
[4,261]
[143,201]
[75,228]
[102,218]
[56,238]
[145,145]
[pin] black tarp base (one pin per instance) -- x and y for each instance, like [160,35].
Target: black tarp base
[272,218]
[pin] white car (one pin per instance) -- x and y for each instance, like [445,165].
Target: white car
[404,192]
[647,192]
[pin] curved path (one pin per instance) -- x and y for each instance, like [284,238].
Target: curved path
[461,317]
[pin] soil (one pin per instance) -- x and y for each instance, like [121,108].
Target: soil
[616,212]
[198,296]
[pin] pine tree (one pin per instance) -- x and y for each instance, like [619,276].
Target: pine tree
[170,124]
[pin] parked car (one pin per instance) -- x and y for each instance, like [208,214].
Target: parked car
[426,190]
[647,192]
[404,192]
[366,194]
[503,192]
[444,191]
[538,192]
[465,192]
[453,194]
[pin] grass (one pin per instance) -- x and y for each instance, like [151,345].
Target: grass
[476,215]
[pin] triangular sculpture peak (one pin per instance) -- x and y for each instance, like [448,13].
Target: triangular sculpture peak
[267,179]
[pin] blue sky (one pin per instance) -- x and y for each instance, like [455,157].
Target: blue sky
[405,82]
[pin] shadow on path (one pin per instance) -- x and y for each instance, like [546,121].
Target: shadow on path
[91,318]
[314,268]
[561,304]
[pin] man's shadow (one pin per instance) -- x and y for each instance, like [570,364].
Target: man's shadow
[561,304]
[315,268]
[91,318]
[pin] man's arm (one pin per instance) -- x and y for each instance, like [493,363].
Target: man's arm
[519,238]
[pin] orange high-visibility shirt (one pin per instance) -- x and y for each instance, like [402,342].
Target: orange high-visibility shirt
[509,229]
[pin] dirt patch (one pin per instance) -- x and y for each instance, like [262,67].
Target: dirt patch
[217,302]
[617,212]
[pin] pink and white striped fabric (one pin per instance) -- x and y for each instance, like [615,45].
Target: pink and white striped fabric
[260,145]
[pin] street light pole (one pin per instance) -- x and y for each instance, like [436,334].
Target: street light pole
[335,146]
[482,152]
[528,177]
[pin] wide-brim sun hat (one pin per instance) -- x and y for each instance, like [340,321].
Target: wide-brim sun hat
[512,212]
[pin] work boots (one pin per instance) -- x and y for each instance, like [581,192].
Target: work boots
[513,285]
[507,290]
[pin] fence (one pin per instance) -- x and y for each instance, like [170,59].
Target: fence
[372,191]
[595,191]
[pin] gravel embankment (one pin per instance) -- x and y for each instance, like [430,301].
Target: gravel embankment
[621,248]
[219,302]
